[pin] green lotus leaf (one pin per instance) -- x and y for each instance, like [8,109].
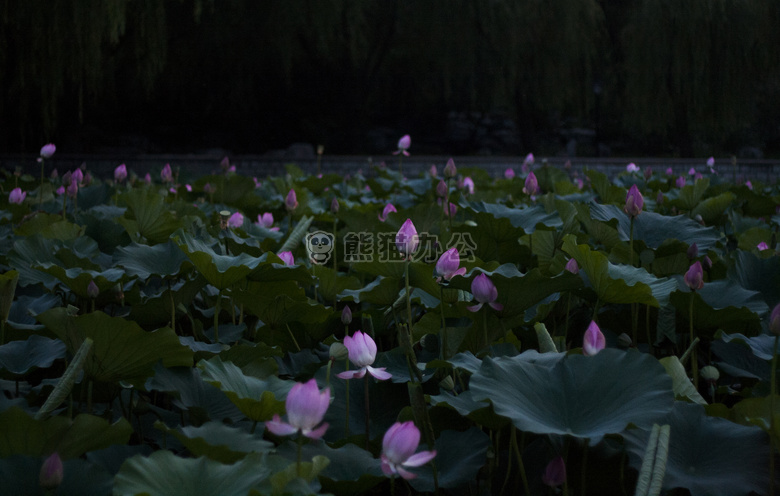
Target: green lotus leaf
[162,472]
[19,357]
[762,346]
[459,457]
[654,229]
[381,291]
[30,252]
[144,261]
[721,304]
[221,271]
[607,192]
[756,274]
[683,387]
[218,441]
[50,226]
[25,308]
[78,279]
[738,359]
[331,283]
[619,283]
[526,219]
[148,218]
[708,455]
[258,399]
[122,351]
[714,208]
[582,396]
[690,196]
[21,434]
[480,412]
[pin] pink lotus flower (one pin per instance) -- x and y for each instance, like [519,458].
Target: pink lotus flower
[224,164]
[287,257]
[398,450]
[529,159]
[531,185]
[306,407]
[669,171]
[694,278]
[257,182]
[693,251]
[166,174]
[17,196]
[572,266]
[711,162]
[51,474]
[579,183]
[346,315]
[680,182]
[334,205]
[632,167]
[188,188]
[749,185]
[148,178]
[291,202]
[450,170]
[509,173]
[172,190]
[92,290]
[433,171]
[448,265]
[441,189]
[48,150]
[61,190]
[451,211]
[267,221]
[78,176]
[406,240]
[468,185]
[593,341]
[555,472]
[484,291]
[691,171]
[362,353]
[762,246]
[774,320]
[403,145]
[120,173]
[73,188]
[386,211]
[648,173]
[236,220]
[634,202]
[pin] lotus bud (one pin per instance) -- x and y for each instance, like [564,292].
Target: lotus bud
[572,266]
[694,278]
[287,257]
[709,373]
[346,315]
[531,185]
[120,173]
[634,202]
[338,351]
[386,211]
[450,170]
[762,246]
[509,173]
[51,473]
[447,383]
[236,220]
[774,320]
[693,251]
[648,173]
[403,145]
[148,178]
[334,205]
[433,171]
[468,185]
[680,182]
[593,341]
[441,189]
[166,175]
[406,240]
[706,263]
[224,164]
[73,188]
[291,202]
[484,291]
[555,472]
[17,196]
[632,167]
[92,290]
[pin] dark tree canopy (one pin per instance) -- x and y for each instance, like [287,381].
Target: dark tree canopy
[692,77]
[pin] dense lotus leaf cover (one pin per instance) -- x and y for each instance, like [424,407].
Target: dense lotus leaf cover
[209,307]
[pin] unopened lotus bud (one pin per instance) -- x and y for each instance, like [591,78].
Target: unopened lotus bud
[709,373]
[693,251]
[624,340]
[346,315]
[450,170]
[338,351]
[334,206]
[51,473]
[447,383]
[92,290]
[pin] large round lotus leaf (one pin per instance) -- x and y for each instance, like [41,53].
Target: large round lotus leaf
[18,357]
[619,283]
[20,476]
[22,434]
[165,473]
[654,229]
[144,261]
[756,274]
[78,279]
[708,455]
[720,304]
[524,218]
[582,396]
[218,441]
[762,346]
[148,218]
[221,271]
[459,457]
[25,308]
[121,350]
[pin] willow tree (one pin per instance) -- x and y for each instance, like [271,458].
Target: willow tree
[693,67]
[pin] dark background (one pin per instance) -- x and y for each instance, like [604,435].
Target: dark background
[555,77]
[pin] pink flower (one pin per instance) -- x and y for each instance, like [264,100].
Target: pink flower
[762,246]
[61,190]
[362,353]
[448,265]
[694,278]
[711,162]
[334,205]
[50,476]
[386,211]
[529,159]
[572,266]
[593,341]
[433,172]
[48,150]
[172,190]
[236,220]
[17,196]
[555,472]
[451,211]
[406,240]
[224,164]
[120,173]
[92,290]
[441,189]
[634,202]
[257,182]
[287,258]
[166,174]
[188,188]
[291,202]
[648,173]
[306,407]
[267,221]
[774,320]
[450,170]
[346,315]
[484,291]
[749,184]
[403,145]
[680,182]
[579,183]
[398,450]
[468,185]
[78,176]
[509,173]
[693,251]
[669,171]
[73,188]
[632,167]
[208,188]
[531,185]
[148,178]
[691,171]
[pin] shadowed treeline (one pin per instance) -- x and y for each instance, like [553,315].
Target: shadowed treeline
[659,77]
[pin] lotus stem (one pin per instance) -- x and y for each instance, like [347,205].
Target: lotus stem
[443,325]
[298,460]
[520,464]
[295,342]
[694,362]
[40,191]
[216,316]
[584,468]
[367,408]
[772,394]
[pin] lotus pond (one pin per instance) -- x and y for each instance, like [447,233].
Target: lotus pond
[547,332]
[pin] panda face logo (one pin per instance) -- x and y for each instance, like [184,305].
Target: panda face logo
[319,244]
